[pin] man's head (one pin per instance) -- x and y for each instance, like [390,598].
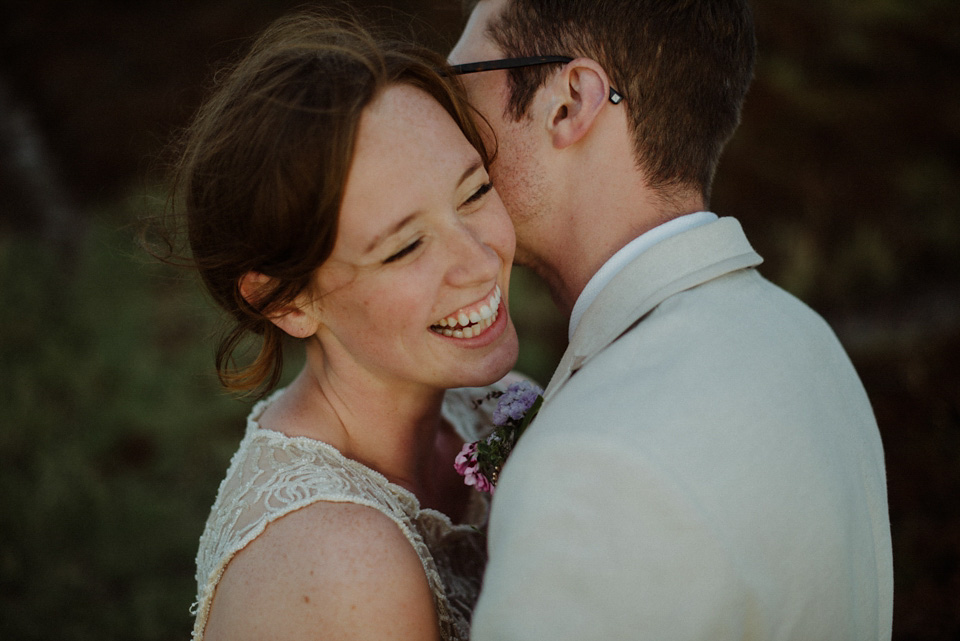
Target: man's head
[684,67]
[580,173]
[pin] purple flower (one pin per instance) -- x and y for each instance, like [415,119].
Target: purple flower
[515,402]
[480,462]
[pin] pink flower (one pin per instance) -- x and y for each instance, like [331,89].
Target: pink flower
[482,483]
[467,458]
[467,466]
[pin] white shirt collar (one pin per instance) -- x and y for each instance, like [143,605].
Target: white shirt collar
[627,254]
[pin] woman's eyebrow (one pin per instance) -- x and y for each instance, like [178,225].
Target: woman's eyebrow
[390,232]
[410,217]
[470,170]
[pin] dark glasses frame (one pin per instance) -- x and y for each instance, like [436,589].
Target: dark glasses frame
[512,63]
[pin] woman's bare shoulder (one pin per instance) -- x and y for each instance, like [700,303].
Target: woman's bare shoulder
[329,570]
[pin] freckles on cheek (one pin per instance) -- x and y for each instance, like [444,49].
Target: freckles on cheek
[366,312]
[380,310]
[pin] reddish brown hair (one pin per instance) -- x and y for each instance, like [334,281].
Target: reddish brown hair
[262,168]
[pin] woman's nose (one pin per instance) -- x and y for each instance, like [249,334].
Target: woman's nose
[472,260]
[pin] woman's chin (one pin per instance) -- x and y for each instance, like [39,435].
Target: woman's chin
[499,363]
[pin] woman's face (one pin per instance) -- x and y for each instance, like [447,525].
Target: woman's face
[415,290]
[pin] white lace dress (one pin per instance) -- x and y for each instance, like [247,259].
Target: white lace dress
[272,475]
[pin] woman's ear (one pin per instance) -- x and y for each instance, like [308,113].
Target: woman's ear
[581,91]
[294,318]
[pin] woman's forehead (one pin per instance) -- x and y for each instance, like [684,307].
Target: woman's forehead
[409,118]
[408,153]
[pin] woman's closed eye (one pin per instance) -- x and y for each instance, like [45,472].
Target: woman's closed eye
[403,252]
[482,191]
[474,198]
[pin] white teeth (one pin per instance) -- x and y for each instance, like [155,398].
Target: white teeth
[468,325]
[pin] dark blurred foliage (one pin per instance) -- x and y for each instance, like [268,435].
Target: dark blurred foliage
[106,80]
[845,174]
[850,149]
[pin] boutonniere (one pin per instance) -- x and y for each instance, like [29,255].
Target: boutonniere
[480,462]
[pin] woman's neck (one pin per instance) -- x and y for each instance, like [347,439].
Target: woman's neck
[394,429]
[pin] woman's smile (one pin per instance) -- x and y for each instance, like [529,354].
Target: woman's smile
[471,321]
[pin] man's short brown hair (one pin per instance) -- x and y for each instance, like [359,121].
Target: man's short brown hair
[683,66]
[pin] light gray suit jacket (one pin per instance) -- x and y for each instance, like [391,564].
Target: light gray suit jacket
[706,465]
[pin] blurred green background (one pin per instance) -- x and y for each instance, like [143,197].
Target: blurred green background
[114,435]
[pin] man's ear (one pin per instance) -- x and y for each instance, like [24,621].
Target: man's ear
[580,93]
[296,318]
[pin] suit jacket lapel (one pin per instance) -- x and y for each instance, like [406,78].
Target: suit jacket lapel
[669,267]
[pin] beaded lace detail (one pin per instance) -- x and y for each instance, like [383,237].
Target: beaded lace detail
[272,475]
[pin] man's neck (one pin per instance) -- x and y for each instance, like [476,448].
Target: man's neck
[567,259]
